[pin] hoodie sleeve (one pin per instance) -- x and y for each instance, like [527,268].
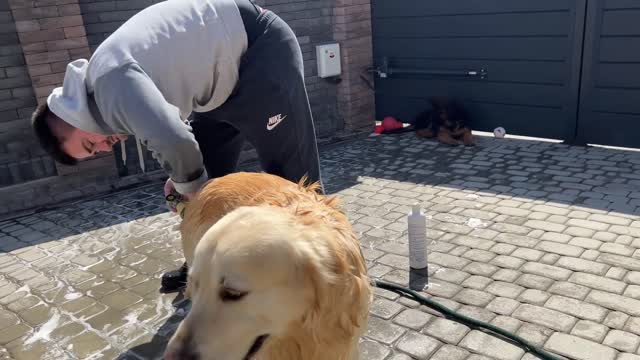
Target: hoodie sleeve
[129,100]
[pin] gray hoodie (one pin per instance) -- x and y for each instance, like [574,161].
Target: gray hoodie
[145,79]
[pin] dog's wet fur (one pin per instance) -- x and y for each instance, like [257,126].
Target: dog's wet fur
[275,273]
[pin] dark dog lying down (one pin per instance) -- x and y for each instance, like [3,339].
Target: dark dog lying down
[447,121]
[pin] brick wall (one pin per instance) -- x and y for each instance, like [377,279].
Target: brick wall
[20,159]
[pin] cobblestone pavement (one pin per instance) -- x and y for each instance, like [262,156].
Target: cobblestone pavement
[539,238]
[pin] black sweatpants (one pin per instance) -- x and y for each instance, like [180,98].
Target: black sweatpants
[269,108]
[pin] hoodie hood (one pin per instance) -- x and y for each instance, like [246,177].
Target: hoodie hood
[71,101]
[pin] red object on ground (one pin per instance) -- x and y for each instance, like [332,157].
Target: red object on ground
[378,129]
[390,123]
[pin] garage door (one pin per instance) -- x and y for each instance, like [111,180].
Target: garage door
[531,50]
[610,94]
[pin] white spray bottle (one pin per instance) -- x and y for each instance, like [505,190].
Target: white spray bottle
[417,222]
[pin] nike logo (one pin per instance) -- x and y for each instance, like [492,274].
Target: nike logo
[274,121]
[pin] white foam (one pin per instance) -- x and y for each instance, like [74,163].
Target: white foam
[73,296]
[45,330]
[475,223]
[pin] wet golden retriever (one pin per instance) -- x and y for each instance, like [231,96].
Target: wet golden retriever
[276,273]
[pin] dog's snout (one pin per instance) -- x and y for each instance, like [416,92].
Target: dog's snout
[181,348]
[181,353]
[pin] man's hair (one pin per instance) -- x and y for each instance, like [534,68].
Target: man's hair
[49,142]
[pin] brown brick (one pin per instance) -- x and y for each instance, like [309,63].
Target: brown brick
[39,36]
[48,57]
[61,22]
[43,92]
[50,79]
[34,48]
[35,13]
[37,70]
[18,4]
[59,66]
[27,26]
[67,44]
[38,3]
[70,9]
[74,31]
[80,53]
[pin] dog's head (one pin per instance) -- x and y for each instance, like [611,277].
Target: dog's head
[449,112]
[264,282]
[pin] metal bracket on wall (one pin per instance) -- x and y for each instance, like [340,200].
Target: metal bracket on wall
[385,70]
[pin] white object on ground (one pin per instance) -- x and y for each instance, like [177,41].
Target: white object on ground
[417,223]
[499,132]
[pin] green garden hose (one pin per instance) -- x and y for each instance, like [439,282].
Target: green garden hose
[472,323]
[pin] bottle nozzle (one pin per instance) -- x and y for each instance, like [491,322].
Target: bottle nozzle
[415,209]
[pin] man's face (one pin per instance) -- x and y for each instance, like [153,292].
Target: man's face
[81,144]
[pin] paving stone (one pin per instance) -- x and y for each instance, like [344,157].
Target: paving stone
[477,282]
[590,254]
[598,282]
[504,306]
[383,331]
[446,330]
[534,281]
[626,356]
[556,237]
[553,272]
[86,344]
[578,348]
[569,290]
[579,232]
[504,289]
[614,302]
[618,249]
[631,325]
[534,334]
[473,297]
[590,330]
[576,308]
[586,243]
[506,275]
[620,261]
[385,309]
[509,262]
[616,320]
[545,317]
[491,346]
[616,273]
[13,332]
[622,340]
[481,269]
[413,319]
[417,345]
[372,350]
[528,254]
[533,296]
[545,226]
[582,265]
[450,352]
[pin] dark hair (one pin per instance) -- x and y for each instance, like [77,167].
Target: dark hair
[48,141]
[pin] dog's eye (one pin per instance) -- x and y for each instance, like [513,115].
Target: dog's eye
[227,294]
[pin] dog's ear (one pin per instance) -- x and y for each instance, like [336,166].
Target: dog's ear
[439,102]
[342,292]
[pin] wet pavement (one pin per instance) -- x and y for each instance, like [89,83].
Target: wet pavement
[539,238]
